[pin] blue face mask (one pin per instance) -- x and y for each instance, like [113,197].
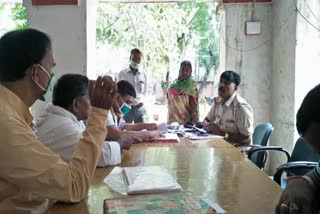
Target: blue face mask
[47,91]
[125,108]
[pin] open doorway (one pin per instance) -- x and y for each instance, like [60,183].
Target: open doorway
[13,16]
[167,33]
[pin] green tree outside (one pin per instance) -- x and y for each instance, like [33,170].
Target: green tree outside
[165,32]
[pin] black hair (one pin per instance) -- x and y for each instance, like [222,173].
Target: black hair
[186,62]
[68,88]
[125,88]
[231,76]
[19,50]
[309,110]
[134,51]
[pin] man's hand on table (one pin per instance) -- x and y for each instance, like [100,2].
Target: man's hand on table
[213,128]
[126,141]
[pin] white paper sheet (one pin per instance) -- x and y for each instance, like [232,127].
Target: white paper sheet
[149,179]
[141,179]
[215,206]
[162,128]
[193,136]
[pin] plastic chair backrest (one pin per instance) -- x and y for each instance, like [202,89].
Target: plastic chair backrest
[261,137]
[302,152]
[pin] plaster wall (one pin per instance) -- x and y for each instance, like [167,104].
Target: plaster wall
[249,55]
[67,26]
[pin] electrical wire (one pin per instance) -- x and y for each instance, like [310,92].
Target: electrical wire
[253,11]
[307,20]
[258,46]
[312,12]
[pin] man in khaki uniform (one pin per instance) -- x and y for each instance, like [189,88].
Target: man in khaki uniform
[230,115]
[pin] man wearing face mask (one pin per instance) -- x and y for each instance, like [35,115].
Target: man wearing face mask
[61,125]
[230,115]
[117,126]
[31,176]
[138,79]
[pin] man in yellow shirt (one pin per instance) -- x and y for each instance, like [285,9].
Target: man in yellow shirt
[31,176]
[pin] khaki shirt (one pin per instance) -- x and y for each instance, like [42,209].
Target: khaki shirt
[234,116]
[31,176]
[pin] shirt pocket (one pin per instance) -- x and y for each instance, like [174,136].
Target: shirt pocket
[230,126]
[140,83]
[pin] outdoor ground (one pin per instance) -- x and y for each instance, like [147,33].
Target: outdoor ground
[152,110]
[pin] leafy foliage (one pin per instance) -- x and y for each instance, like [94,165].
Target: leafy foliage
[166,33]
[19,15]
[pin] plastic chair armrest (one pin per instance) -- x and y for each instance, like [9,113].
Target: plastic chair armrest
[292,165]
[268,148]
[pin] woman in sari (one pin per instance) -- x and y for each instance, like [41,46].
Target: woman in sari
[183,97]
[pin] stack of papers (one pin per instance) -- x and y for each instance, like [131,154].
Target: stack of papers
[195,136]
[149,179]
[167,138]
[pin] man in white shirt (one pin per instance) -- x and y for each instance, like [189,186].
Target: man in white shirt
[138,79]
[230,115]
[61,126]
[117,126]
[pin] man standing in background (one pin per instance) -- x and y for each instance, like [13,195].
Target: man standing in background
[138,79]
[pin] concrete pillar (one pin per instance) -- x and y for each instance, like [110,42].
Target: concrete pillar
[249,55]
[283,77]
[72,29]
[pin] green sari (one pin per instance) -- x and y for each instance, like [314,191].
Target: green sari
[183,101]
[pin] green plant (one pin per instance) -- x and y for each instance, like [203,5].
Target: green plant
[164,32]
[19,15]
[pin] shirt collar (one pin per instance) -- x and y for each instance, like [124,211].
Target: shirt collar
[129,70]
[16,103]
[230,100]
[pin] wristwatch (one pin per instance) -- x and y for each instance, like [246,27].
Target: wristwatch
[226,135]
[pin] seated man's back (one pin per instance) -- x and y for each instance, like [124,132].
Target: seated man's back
[60,127]
[59,130]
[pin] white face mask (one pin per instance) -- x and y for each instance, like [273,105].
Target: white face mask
[134,65]
[46,91]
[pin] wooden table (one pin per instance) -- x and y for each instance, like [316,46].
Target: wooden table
[213,169]
[185,142]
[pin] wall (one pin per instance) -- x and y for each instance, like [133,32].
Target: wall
[283,77]
[67,27]
[249,55]
[266,64]
[307,50]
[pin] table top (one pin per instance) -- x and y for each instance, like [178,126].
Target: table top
[185,142]
[213,169]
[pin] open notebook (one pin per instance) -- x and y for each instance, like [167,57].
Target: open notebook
[149,179]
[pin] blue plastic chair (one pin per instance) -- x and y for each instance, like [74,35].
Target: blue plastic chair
[302,160]
[260,137]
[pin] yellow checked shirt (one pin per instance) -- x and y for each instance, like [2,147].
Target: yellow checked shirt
[31,176]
